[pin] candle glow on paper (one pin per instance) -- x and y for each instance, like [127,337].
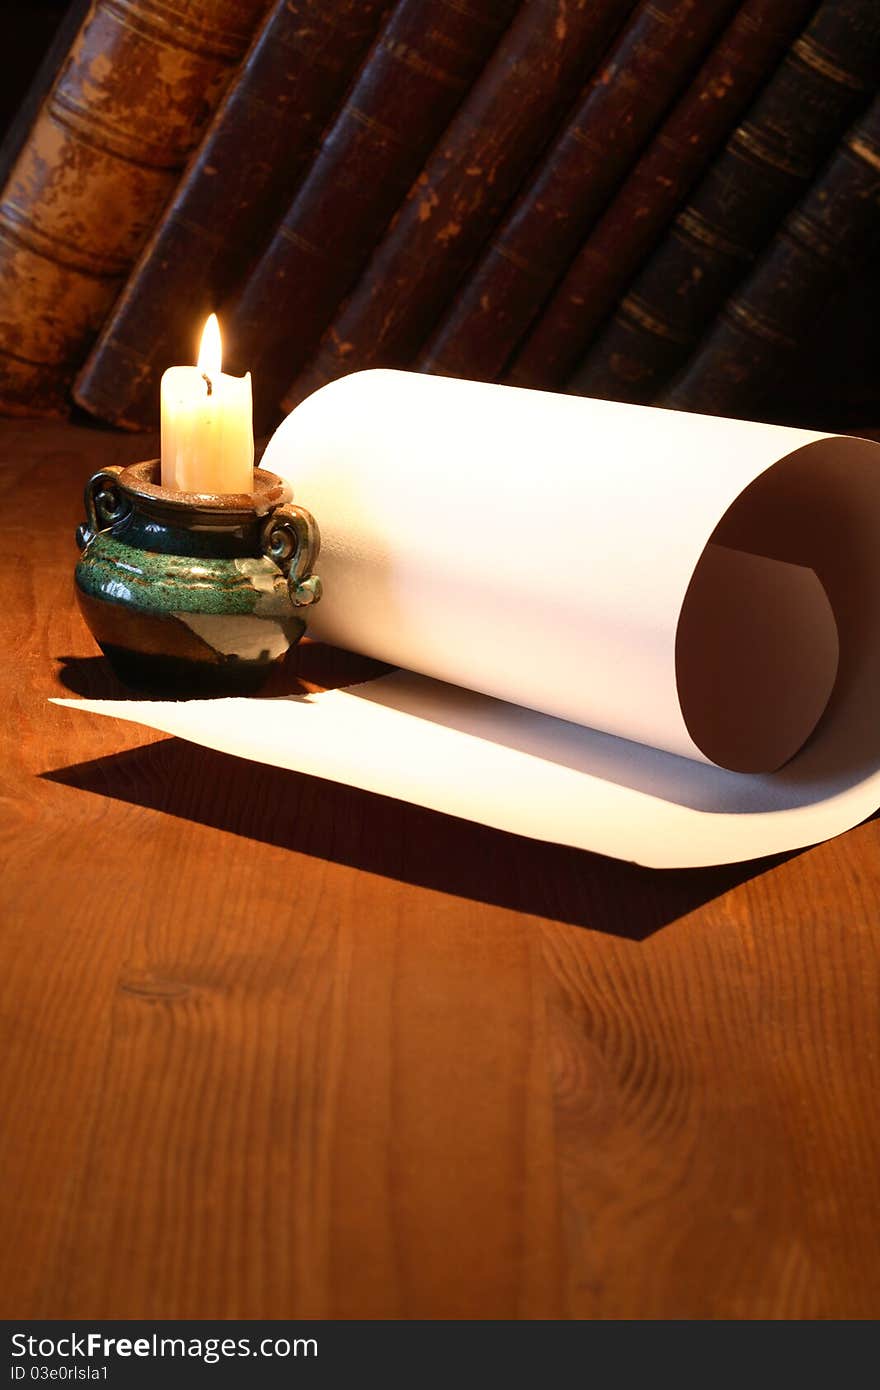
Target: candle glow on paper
[635,631]
[207,424]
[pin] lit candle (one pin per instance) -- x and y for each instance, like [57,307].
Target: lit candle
[207,424]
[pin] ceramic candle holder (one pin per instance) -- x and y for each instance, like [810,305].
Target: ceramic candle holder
[192,594]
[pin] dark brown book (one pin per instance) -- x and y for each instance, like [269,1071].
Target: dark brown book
[831,383]
[822,243]
[745,53]
[824,82]
[235,188]
[651,59]
[421,66]
[512,111]
[129,103]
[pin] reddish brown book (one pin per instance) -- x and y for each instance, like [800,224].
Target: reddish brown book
[130,102]
[422,64]
[651,59]
[745,53]
[224,209]
[825,81]
[821,244]
[511,112]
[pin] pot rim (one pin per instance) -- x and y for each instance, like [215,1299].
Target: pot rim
[270,491]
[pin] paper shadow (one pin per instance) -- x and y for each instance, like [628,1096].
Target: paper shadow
[411,844]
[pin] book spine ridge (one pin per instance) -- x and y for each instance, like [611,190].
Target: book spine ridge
[110,139]
[175,28]
[17,227]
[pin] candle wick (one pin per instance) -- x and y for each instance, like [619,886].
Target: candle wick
[208,383]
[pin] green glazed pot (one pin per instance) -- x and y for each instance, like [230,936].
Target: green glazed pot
[191,594]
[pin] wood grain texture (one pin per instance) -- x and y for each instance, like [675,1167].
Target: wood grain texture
[273,1047]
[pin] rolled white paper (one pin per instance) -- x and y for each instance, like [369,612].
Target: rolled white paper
[534,547]
[635,594]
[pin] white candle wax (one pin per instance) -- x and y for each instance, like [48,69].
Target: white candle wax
[207,424]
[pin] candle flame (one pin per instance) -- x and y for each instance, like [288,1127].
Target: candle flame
[210,350]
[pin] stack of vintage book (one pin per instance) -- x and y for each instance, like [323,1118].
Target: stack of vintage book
[645,200]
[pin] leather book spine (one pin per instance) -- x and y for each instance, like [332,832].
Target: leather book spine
[745,54]
[129,104]
[498,132]
[420,68]
[828,236]
[228,201]
[824,82]
[652,58]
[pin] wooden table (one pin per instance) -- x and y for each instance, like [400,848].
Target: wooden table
[278,1048]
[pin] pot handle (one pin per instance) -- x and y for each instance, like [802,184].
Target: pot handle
[105,504]
[291,538]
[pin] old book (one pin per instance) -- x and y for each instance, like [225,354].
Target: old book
[745,53]
[19,109]
[822,84]
[228,201]
[832,378]
[105,151]
[498,132]
[821,243]
[651,59]
[421,66]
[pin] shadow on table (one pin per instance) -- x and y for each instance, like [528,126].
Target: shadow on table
[326,820]
[309,666]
